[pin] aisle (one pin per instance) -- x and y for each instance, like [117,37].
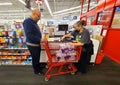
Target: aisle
[108,73]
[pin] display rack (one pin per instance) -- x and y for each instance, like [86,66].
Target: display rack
[13,50]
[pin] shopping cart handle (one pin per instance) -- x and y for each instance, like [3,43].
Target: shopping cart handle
[42,44]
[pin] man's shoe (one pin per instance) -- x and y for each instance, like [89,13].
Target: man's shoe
[40,73]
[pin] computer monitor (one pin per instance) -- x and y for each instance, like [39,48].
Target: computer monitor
[63,27]
[62,30]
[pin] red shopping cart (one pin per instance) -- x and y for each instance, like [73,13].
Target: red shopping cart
[60,60]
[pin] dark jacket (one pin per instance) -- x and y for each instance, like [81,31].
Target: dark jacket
[32,31]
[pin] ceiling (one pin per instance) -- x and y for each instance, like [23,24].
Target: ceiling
[18,10]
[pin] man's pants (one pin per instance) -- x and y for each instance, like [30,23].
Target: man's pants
[35,53]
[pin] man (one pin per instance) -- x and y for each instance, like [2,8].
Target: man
[33,39]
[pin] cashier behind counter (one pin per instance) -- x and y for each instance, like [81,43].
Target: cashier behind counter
[58,38]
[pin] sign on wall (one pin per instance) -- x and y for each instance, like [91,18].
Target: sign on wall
[116,19]
[104,18]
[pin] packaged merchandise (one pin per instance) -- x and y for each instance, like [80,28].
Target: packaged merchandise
[1,32]
[65,53]
[5,33]
[13,46]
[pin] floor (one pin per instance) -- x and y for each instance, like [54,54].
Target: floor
[107,73]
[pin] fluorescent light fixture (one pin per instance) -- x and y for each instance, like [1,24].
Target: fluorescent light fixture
[48,6]
[11,17]
[13,14]
[22,2]
[6,3]
[67,12]
[2,11]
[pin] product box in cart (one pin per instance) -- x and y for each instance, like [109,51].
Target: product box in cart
[65,53]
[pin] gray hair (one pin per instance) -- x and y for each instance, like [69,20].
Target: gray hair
[79,23]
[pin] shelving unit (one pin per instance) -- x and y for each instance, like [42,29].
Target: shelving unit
[13,50]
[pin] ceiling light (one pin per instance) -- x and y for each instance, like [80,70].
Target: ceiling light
[6,3]
[12,14]
[67,12]
[48,6]
[2,11]
[22,2]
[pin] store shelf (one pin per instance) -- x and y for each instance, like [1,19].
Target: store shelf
[13,64]
[13,50]
[13,54]
[16,62]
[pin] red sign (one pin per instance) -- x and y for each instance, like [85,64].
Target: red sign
[39,1]
[104,18]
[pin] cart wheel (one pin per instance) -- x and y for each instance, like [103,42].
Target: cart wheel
[46,79]
[69,67]
[72,73]
[93,64]
[46,66]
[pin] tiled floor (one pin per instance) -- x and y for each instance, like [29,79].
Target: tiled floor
[107,73]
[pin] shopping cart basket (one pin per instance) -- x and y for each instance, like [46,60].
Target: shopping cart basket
[58,65]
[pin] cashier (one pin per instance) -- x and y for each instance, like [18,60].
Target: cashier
[82,37]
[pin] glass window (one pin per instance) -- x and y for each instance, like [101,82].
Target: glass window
[85,6]
[93,4]
[116,19]
[90,19]
[104,18]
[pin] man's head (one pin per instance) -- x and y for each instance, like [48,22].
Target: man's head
[36,14]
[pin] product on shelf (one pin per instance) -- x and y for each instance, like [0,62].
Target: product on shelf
[13,49]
